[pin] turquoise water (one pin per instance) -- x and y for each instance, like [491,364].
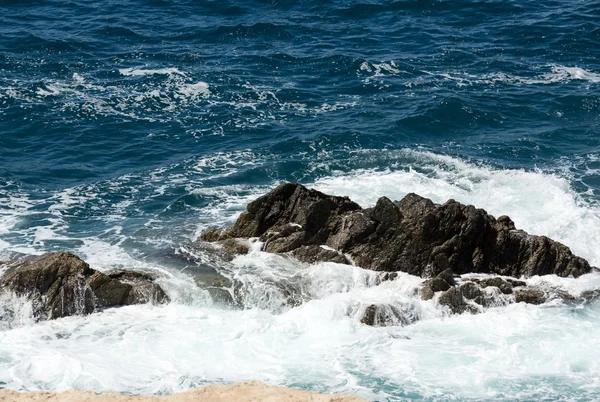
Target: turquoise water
[126,128]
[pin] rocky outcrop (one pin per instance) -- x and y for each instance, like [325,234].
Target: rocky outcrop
[413,235]
[61,284]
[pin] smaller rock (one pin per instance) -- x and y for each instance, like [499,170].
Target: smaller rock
[108,292]
[427,293]
[62,284]
[515,283]
[470,290]
[505,223]
[235,246]
[385,315]
[448,276]
[386,276]
[504,286]
[530,296]
[456,298]
[212,234]
[453,298]
[440,283]
[146,293]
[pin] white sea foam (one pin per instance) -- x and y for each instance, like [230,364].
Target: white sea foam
[299,324]
[146,349]
[563,73]
[540,203]
[553,74]
[193,90]
[137,72]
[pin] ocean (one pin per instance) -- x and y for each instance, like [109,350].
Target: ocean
[129,127]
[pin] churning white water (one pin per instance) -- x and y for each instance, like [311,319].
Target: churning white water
[298,325]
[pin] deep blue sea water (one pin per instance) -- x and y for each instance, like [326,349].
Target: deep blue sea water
[128,127]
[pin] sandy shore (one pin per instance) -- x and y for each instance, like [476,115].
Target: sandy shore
[243,392]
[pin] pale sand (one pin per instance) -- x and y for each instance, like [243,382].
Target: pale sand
[243,392]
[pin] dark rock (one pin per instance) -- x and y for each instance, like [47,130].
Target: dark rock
[108,292]
[412,235]
[470,290]
[61,284]
[439,285]
[288,203]
[442,282]
[448,276]
[427,293]
[531,296]
[385,315]
[515,283]
[505,286]
[457,298]
[386,276]
[454,299]
[146,293]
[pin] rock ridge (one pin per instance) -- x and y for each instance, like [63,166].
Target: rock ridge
[413,235]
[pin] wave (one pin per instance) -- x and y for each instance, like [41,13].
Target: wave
[284,322]
[139,72]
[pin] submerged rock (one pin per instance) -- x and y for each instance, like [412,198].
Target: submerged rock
[385,315]
[61,284]
[530,296]
[413,235]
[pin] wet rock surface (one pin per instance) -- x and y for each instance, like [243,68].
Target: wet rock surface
[413,235]
[444,244]
[385,315]
[62,284]
[530,296]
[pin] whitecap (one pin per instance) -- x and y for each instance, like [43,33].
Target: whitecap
[139,72]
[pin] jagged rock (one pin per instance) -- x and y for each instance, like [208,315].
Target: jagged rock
[61,284]
[531,296]
[384,315]
[412,235]
[455,300]
[288,203]
[442,282]
[146,293]
[437,284]
[470,290]
[505,286]
[448,276]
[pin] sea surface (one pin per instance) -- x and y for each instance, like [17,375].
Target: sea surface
[129,127]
